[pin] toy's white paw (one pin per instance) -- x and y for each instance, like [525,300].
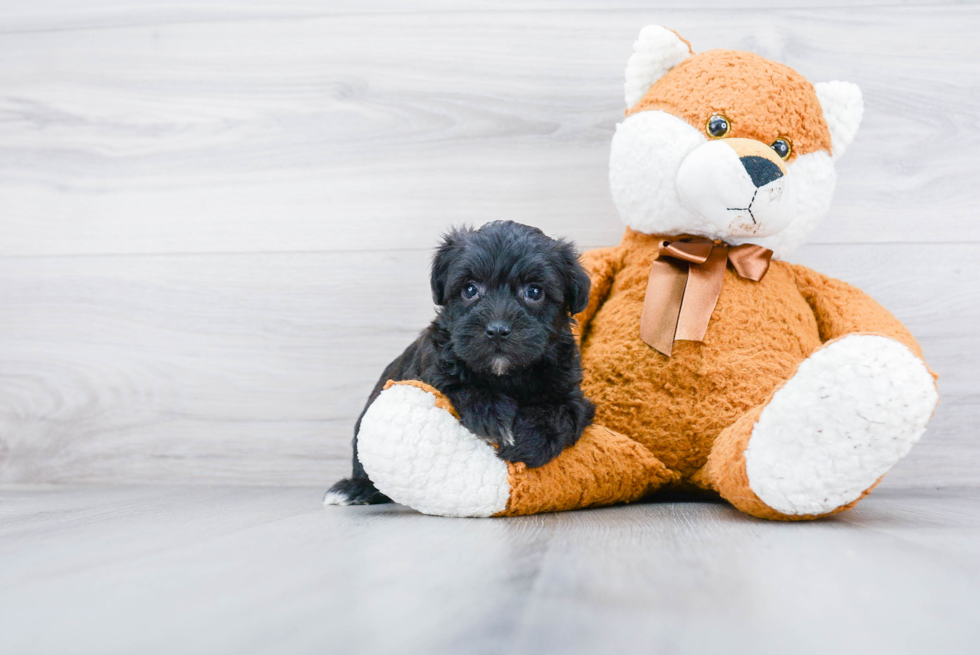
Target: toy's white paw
[419,455]
[852,410]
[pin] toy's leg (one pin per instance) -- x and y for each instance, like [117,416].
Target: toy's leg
[824,439]
[417,453]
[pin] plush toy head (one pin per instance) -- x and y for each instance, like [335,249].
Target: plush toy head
[726,144]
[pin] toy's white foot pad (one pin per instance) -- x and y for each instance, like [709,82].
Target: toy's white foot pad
[419,455]
[852,410]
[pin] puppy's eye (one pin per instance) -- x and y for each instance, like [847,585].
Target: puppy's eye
[534,293]
[470,291]
[782,147]
[718,126]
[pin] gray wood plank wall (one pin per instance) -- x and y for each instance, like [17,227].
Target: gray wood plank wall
[216,219]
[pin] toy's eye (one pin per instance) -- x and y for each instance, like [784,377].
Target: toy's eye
[718,126]
[534,293]
[470,291]
[782,147]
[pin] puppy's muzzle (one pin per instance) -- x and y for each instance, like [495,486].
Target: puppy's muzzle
[739,185]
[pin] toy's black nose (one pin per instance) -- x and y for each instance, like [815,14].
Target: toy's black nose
[761,170]
[498,330]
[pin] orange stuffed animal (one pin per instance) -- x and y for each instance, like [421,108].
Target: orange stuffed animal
[713,364]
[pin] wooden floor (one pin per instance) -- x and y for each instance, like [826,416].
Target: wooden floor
[268,570]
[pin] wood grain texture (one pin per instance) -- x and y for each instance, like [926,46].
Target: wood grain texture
[250,128]
[107,13]
[252,368]
[238,570]
[216,217]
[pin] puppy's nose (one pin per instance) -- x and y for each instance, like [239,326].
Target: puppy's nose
[498,330]
[761,170]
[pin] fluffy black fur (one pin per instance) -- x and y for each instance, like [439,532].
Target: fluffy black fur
[501,345]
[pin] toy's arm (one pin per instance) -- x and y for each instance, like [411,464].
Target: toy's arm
[842,309]
[601,264]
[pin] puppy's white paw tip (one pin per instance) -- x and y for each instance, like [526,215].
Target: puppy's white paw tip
[334,498]
[852,410]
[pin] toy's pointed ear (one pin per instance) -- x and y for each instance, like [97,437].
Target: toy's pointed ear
[655,52]
[843,108]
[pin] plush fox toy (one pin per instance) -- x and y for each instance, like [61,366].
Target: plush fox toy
[713,363]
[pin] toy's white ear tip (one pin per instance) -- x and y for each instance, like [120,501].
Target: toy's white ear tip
[649,31]
[845,90]
[843,109]
[656,50]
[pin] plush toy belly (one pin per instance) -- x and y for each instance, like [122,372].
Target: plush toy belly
[675,406]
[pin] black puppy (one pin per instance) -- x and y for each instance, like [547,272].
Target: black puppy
[501,346]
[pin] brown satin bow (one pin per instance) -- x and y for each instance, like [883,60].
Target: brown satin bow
[684,285]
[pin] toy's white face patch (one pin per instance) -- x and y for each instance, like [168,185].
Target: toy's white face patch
[647,151]
[667,178]
[743,196]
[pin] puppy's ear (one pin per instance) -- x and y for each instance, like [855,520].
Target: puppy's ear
[577,282]
[447,252]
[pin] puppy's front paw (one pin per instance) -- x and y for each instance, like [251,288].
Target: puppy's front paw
[542,432]
[534,440]
[491,421]
[354,491]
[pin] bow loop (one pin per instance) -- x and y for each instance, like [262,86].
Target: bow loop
[750,261]
[685,283]
[694,250]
